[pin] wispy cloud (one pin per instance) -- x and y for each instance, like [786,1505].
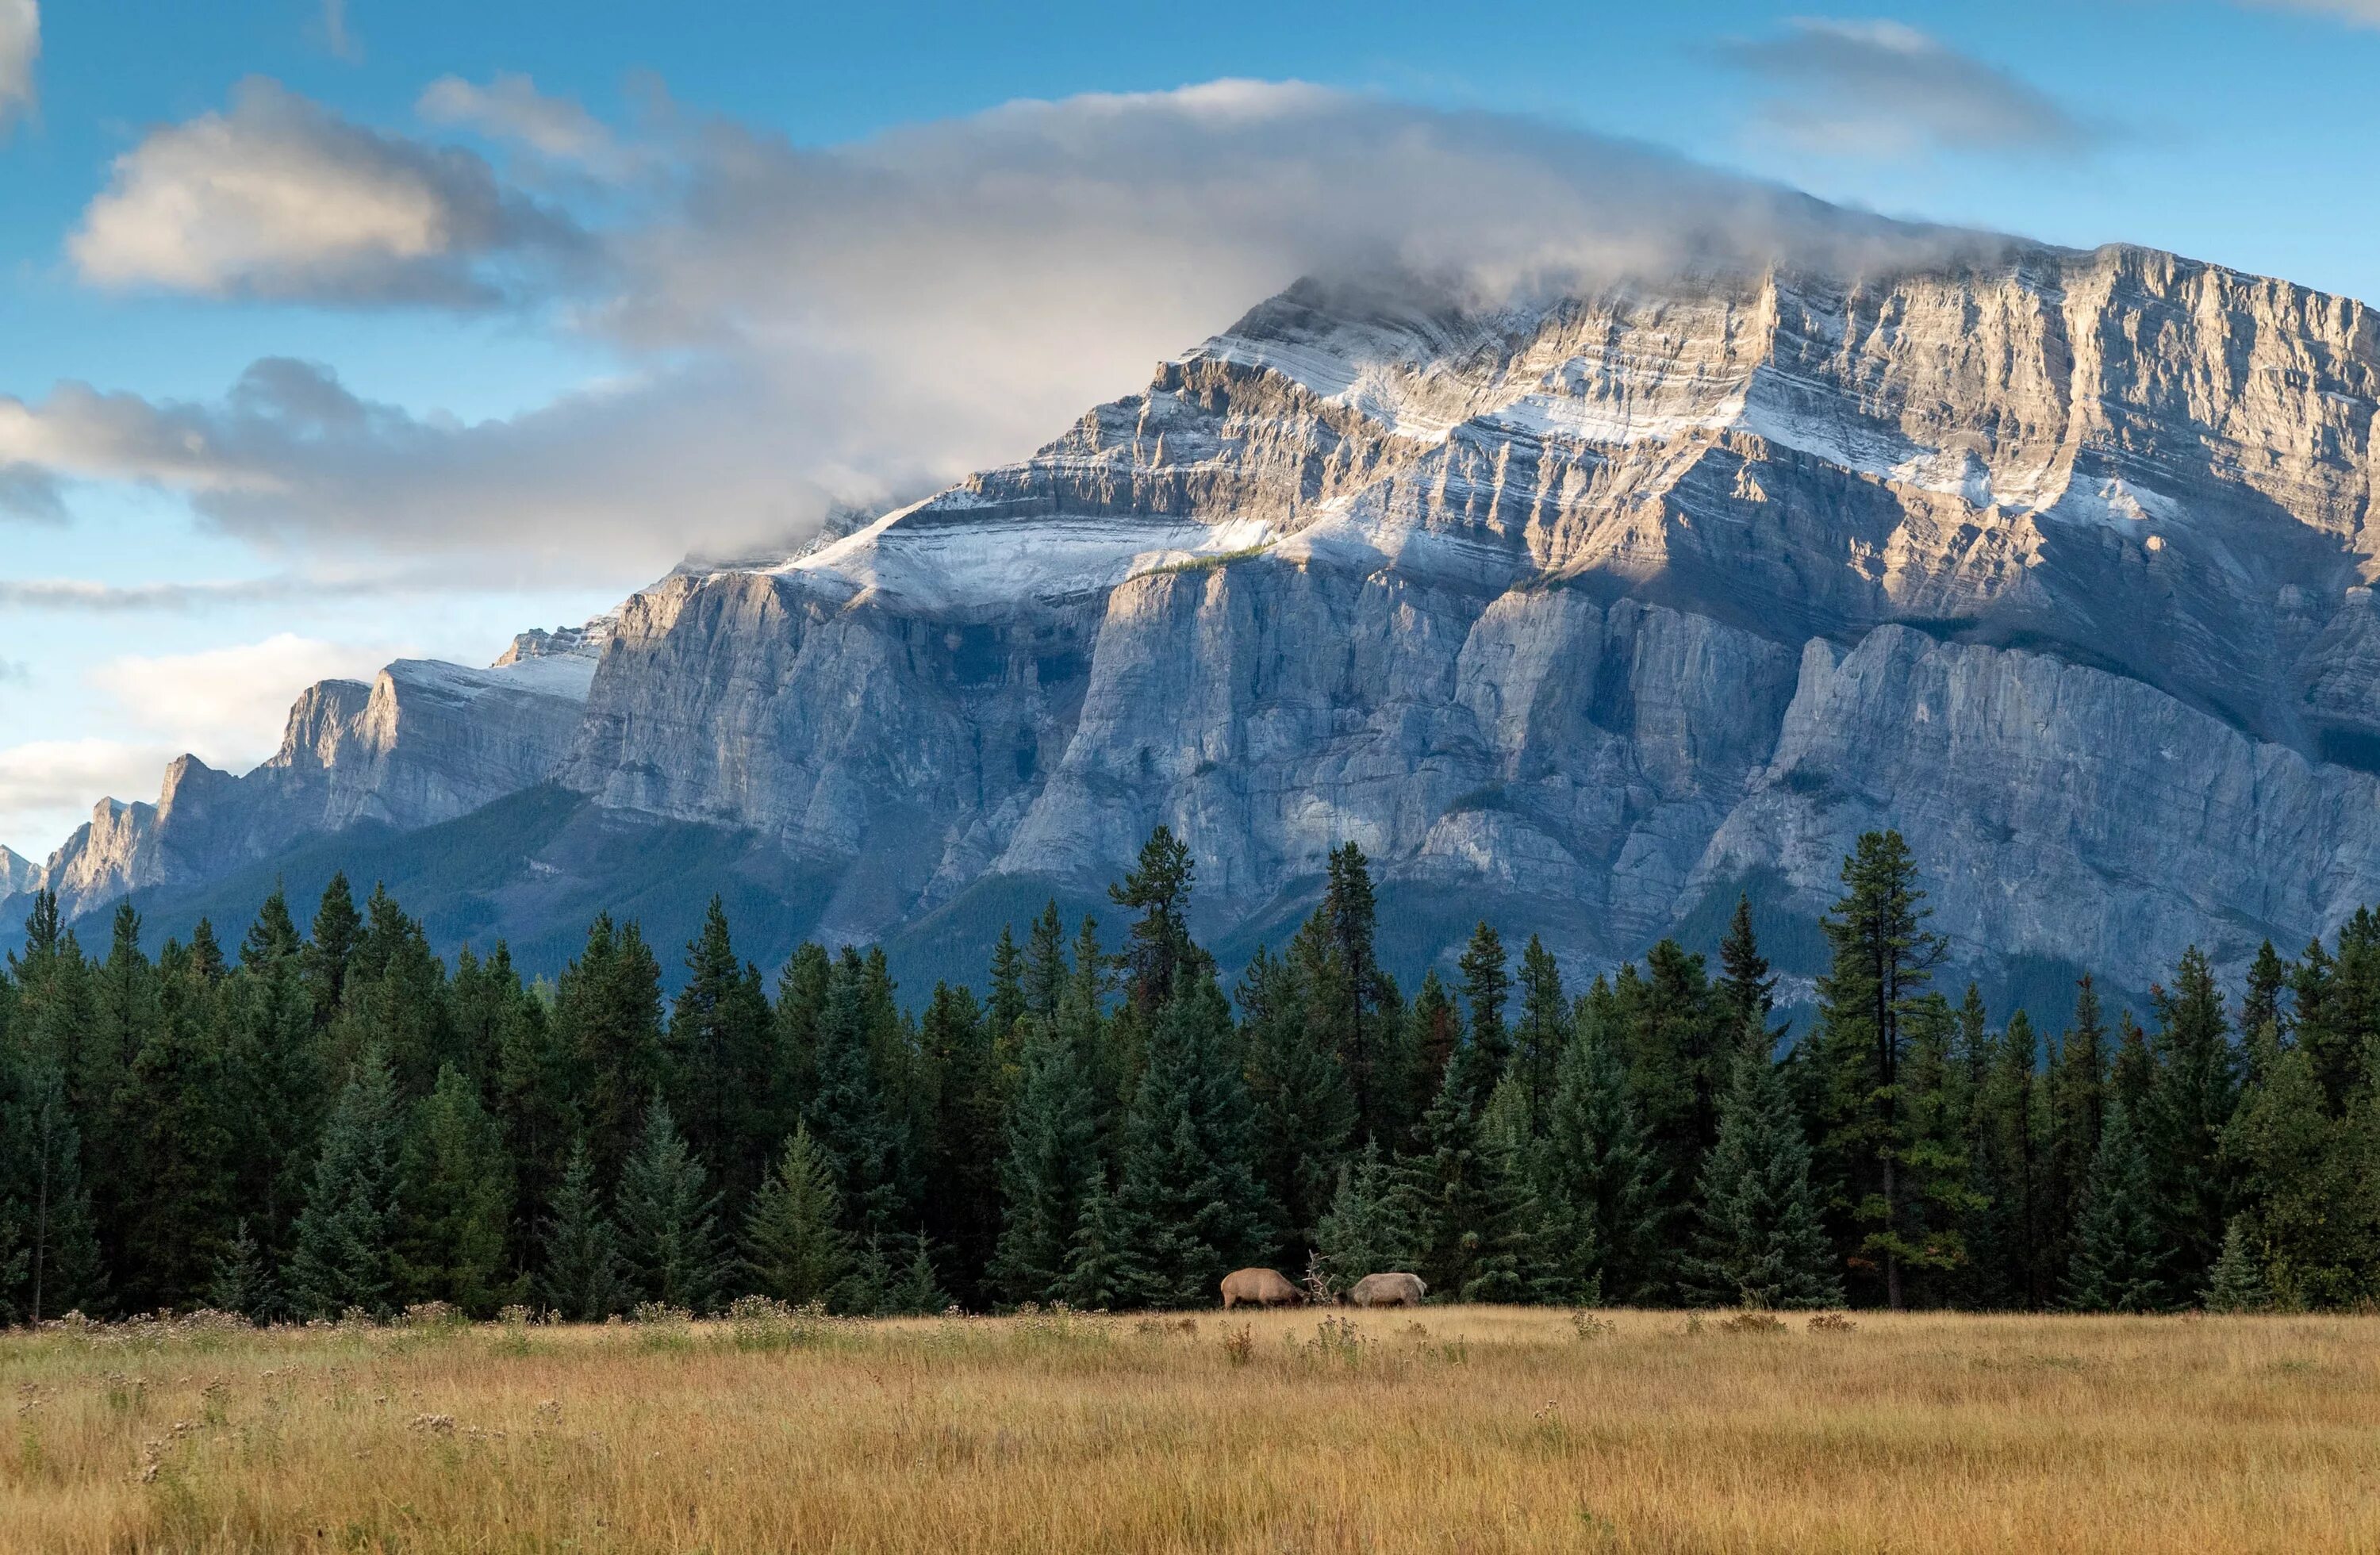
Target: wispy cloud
[279,198]
[2359,12]
[90,596]
[509,107]
[337,36]
[21,50]
[1885,89]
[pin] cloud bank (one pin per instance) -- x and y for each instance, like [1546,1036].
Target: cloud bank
[1885,89]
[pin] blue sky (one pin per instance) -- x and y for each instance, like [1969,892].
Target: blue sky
[336,331]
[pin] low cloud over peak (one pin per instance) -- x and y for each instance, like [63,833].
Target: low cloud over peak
[1885,89]
[796,325]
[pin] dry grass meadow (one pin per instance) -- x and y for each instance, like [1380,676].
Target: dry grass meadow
[1451,1429]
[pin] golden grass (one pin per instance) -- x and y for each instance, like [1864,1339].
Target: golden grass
[1453,1428]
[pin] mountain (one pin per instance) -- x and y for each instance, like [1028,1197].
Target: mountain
[1583,613]
[16,872]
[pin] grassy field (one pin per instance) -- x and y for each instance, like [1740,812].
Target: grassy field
[1451,1429]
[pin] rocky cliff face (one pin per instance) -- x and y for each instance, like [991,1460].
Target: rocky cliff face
[1594,608]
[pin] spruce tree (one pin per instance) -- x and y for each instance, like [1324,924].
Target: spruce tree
[721,1061]
[1435,1036]
[1159,951]
[668,1219]
[1045,964]
[1051,1159]
[2310,1205]
[795,1248]
[338,928]
[345,1234]
[242,1281]
[2196,1088]
[584,1278]
[1602,1189]
[1305,1112]
[1758,1242]
[272,939]
[1364,1231]
[1543,1033]
[801,1000]
[456,1190]
[2237,1283]
[917,1292]
[58,1266]
[847,1112]
[2120,1255]
[1486,987]
[1474,1225]
[963,1210]
[607,1016]
[1104,1268]
[1883,958]
[1746,986]
[1188,1173]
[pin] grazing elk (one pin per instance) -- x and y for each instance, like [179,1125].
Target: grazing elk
[1387,1290]
[1263,1287]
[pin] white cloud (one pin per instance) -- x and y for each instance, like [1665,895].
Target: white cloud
[279,198]
[1883,89]
[20,49]
[227,705]
[799,324]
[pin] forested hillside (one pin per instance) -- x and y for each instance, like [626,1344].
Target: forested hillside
[336,1119]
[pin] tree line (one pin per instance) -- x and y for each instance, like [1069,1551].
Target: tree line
[339,1120]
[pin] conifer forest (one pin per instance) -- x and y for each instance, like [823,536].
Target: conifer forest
[329,1118]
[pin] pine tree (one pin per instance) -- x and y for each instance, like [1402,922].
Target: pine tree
[1594,1172]
[1188,1153]
[2237,1281]
[2081,1106]
[585,1279]
[1364,1231]
[1883,958]
[456,1190]
[1758,1241]
[793,1244]
[1006,1006]
[2310,1205]
[801,1001]
[345,1234]
[2119,1253]
[668,1219]
[1680,1049]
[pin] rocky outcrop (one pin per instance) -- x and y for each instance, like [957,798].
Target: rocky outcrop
[1594,607]
[425,742]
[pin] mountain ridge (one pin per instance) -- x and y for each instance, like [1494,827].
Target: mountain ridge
[1611,602]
